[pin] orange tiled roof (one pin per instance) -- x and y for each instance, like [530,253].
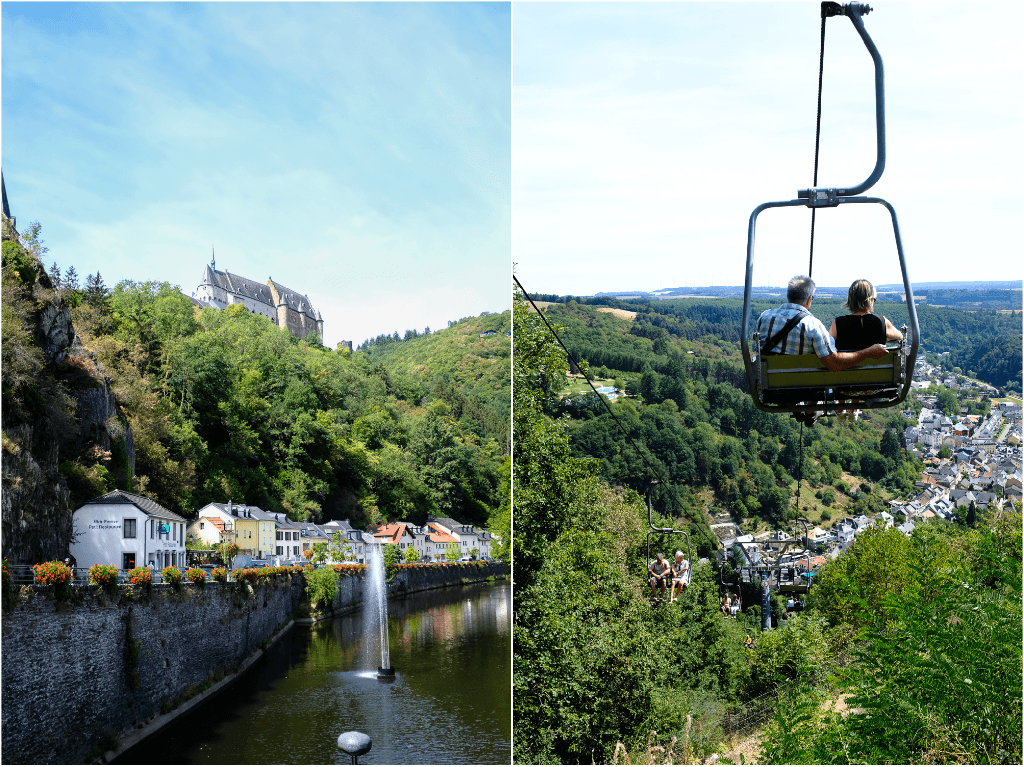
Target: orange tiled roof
[391,533]
[438,536]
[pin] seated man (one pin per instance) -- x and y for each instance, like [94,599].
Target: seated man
[659,571]
[792,329]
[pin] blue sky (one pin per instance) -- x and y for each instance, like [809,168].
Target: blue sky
[358,153]
[646,133]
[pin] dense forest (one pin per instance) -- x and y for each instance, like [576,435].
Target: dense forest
[220,405]
[693,424]
[893,632]
[986,343]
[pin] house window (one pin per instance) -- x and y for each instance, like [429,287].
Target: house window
[128,560]
[279,535]
[129,528]
[280,551]
[201,525]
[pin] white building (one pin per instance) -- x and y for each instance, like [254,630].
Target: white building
[467,536]
[286,539]
[211,531]
[128,531]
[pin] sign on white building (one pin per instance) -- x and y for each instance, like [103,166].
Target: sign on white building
[128,531]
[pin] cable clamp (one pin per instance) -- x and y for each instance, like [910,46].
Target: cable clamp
[819,198]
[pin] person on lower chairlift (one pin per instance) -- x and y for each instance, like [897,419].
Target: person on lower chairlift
[680,569]
[659,571]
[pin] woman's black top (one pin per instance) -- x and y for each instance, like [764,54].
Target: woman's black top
[856,332]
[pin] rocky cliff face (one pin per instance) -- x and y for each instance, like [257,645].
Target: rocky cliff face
[61,422]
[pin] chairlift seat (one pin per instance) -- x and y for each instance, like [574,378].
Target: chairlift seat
[785,379]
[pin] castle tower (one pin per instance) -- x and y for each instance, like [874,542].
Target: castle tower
[7,208]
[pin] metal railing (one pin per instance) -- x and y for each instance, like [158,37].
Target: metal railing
[752,715]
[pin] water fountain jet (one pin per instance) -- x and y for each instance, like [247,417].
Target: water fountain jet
[376,608]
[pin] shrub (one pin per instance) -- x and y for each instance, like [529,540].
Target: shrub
[391,555]
[321,586]
[171,575]
[141,576]
[197,575]
[103,575]
[219,574]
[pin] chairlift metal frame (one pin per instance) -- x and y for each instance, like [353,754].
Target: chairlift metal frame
[666,531]
[811,387]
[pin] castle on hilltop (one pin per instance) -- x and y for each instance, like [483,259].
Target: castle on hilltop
[283,306]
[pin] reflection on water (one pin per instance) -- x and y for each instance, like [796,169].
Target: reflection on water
[450,702]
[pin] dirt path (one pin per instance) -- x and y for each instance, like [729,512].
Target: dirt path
[750,748]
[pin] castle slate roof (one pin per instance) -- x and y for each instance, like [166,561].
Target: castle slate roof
[242,286]
[293,300]
[152,508]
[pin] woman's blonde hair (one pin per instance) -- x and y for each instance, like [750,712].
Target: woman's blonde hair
[858,298]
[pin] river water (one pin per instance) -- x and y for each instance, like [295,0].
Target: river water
[450,703]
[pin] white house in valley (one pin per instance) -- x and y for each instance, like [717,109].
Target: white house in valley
[128,531]
[210,530]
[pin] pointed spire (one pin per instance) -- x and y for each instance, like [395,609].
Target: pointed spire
[213,258]
[3,186]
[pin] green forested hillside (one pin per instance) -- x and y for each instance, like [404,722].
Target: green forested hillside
[468,370]
[917,639]
[986,342]
[225,405]
[699,430]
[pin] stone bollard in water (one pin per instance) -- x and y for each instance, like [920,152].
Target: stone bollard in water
[355,744]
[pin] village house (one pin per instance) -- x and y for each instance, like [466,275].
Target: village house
[309,535]
[254,529]
[128,531]
[286,538]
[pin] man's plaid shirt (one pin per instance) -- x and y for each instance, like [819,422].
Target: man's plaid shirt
[806,336]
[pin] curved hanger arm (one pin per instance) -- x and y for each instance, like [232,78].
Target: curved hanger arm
[854,11]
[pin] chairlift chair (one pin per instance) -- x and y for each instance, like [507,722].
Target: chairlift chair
[801,383]
[792,584]
[666,531]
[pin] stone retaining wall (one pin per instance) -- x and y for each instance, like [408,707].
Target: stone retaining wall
[76,675]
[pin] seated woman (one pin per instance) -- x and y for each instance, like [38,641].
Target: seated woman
[680,570]
[860,328]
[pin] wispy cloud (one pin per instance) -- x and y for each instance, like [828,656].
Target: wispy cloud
[645,135]
[331,146]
